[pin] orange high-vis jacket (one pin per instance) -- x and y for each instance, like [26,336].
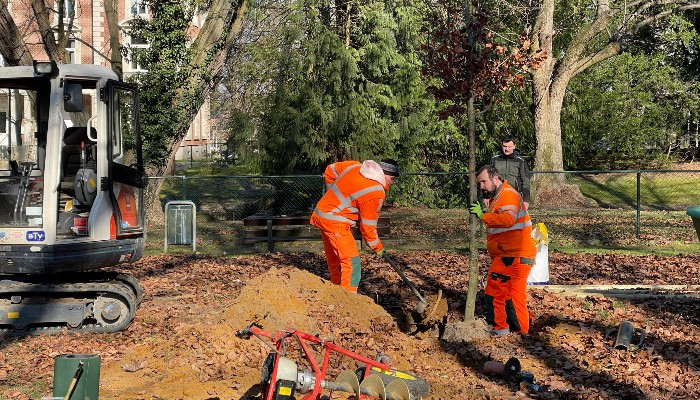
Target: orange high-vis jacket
[334,170]
[351,198]
[508,226]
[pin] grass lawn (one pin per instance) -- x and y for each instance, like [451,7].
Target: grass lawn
[657,190]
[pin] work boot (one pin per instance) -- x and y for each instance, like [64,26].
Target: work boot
[499,332]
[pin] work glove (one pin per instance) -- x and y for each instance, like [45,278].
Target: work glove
[380,253]
[475,209]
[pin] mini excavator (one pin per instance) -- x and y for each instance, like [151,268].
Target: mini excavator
[71,198]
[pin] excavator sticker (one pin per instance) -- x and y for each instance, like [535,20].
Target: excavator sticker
[36,236]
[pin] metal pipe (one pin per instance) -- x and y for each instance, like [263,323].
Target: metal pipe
[625,333]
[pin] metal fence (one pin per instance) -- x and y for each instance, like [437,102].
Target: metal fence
[634,204]
[224,198]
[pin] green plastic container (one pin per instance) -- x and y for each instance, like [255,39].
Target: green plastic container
[694,213]
[88,384]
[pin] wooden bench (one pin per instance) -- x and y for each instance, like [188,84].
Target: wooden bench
[290,229]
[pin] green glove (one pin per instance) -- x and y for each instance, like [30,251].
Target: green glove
[380,253]
[476,209]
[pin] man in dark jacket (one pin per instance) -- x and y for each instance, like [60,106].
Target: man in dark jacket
[513,168]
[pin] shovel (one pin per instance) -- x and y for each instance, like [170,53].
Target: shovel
[432,310]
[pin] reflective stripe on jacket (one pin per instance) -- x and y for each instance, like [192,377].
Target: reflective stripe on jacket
[351,197]
[508,225]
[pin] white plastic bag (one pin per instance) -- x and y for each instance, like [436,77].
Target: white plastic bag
[539,275]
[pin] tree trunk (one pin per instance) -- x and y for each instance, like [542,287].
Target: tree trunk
[547,115]
[155,212]
[550,189]
[223,24]
[41,13]
[595,40]
[549,83]
[114,44]
[470,308]
[12,46]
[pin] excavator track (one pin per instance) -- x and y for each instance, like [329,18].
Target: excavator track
[80,302]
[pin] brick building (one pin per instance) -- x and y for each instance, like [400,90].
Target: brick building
[88,43]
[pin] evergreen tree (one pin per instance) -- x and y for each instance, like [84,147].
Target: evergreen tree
[339,83]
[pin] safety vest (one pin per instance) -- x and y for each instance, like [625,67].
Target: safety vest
[351,197]
[508,225]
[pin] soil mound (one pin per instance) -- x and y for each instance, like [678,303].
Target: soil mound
[223,365]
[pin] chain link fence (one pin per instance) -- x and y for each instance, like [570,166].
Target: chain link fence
[615,209]
[232,198]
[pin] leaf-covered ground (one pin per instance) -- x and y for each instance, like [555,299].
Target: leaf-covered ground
[182,344]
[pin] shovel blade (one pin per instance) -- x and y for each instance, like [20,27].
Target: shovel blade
[421,306]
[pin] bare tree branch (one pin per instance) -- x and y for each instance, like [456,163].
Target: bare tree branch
[656,17]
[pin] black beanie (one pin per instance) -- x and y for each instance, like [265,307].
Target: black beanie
[390,167]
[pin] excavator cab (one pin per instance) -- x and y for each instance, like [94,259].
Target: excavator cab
[71,198]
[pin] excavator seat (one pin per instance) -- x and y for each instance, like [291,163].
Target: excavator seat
[71,156]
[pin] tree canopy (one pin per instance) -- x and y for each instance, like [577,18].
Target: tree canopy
[341,83]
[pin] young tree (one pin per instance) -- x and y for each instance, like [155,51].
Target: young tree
[470,69]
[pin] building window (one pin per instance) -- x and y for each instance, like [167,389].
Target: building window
[68,8]
[70,52]
[137,7]
[137,47]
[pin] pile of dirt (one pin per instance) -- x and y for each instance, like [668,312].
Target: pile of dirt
[222,364]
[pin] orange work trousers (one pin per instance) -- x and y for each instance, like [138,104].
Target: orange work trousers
[341,254]
[505,294]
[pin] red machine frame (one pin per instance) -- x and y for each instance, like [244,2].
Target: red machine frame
[319,370]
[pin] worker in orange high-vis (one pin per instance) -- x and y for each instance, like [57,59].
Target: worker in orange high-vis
[512,251]
[355,193]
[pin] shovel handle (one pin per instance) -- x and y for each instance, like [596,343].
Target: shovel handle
[74,381]
[408,283]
